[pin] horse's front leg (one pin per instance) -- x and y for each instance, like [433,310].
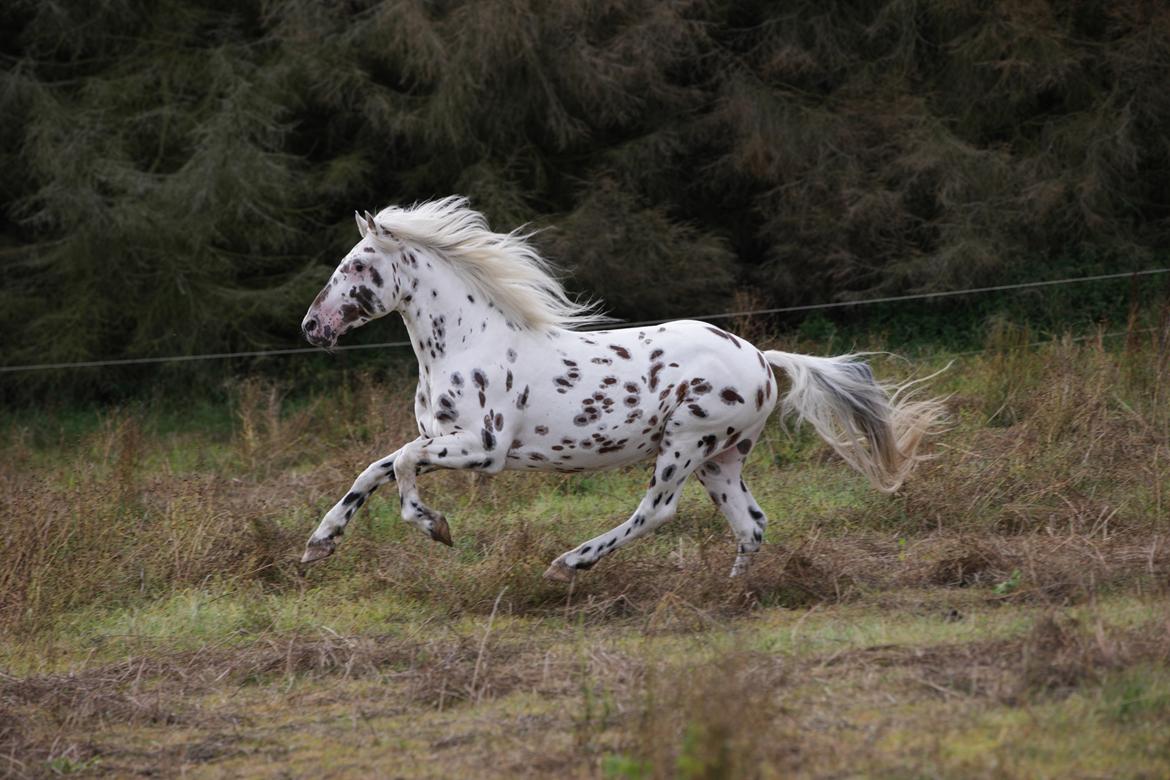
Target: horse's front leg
[321,543]
[454,451]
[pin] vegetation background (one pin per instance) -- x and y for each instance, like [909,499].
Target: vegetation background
[179,175]
[178,179]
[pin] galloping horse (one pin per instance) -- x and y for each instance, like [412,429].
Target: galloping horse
[507,380]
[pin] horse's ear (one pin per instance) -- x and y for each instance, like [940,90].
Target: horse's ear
[370,224]
[360,223]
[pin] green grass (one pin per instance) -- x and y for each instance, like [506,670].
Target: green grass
[1003,615]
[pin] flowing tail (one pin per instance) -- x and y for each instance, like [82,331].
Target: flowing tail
[876,428]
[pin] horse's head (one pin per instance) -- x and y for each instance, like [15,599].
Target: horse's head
[363,287]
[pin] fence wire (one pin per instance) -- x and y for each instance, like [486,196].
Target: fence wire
[706,317]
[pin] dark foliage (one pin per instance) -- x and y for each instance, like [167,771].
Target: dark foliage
[179,174]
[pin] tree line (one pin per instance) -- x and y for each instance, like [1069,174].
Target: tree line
[179,175]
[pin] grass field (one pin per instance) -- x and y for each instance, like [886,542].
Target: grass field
[1004,615]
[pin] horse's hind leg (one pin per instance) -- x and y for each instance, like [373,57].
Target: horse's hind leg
[322,543]
[658,505]
[722,477]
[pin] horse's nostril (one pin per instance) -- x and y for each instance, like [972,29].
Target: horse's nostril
[310,326]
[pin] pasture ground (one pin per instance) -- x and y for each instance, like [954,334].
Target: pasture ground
[1004,615]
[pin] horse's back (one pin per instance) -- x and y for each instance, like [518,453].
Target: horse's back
[682,347]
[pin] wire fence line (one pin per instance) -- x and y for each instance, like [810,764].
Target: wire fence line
[716,316]
[189,358]
[1076,339]
[913,296]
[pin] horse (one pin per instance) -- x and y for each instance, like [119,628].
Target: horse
[509,377]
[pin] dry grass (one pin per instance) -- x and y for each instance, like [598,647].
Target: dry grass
[715,706]
[1046,499]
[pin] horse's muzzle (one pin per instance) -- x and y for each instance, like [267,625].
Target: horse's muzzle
[318,334]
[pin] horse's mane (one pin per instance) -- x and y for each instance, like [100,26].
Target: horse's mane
[503,267]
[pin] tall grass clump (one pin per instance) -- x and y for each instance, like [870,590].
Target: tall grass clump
[1067,439]
[722,719]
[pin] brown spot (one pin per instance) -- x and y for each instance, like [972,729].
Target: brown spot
[621,352]
[366,299]
[725,335]
[730,396]
[708,444]
[654,369]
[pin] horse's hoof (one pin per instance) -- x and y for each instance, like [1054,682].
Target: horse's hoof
[315,551]
[560,572]
[743,562]
[440,531]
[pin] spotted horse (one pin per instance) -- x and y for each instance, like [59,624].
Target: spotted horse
[510,378]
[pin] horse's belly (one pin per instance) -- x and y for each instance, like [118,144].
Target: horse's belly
[581,452]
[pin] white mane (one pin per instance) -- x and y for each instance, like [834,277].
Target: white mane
[504,267]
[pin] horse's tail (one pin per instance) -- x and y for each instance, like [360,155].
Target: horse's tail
[876,428]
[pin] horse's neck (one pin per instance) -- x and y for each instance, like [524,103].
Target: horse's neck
[445,318]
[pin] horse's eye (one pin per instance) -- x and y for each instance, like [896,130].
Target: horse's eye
[358,267]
